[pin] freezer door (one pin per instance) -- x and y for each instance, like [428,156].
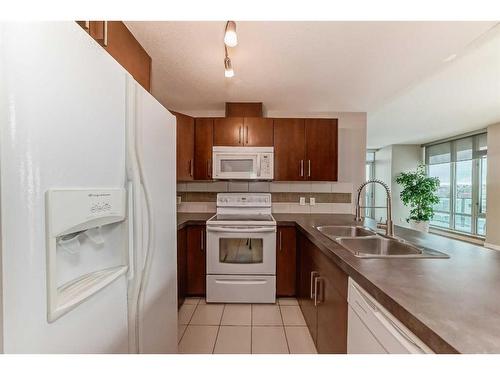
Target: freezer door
[155,141]
[62,108]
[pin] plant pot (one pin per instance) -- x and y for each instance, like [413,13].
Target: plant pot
[422,226]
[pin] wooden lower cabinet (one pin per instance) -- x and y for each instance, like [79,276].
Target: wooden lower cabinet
[196,260]
[332,306]
[322,295]
[181,266]
[306,272]
[286,261]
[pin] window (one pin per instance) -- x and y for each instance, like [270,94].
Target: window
[461,167]
[370,189]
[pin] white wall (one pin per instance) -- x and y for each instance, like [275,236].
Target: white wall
[390,161]
[404,158]
[493,188]
[383,165]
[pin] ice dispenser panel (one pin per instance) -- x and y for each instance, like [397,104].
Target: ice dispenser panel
[87,244]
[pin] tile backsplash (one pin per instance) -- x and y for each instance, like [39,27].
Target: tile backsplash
[330,197]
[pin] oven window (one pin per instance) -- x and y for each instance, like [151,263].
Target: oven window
[236,165]
[241,250]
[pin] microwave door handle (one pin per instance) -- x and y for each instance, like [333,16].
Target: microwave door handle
[259,166]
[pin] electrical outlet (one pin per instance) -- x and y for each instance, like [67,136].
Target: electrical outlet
[302,201]
[312,201]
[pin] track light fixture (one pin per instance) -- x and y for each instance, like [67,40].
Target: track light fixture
[228,67]
[230,37]
[230,40]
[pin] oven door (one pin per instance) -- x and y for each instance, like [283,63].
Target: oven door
[235,165]
[241,250]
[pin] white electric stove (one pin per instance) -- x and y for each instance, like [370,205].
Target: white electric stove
[241,250]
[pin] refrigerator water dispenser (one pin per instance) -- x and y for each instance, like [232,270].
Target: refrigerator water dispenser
[87,244]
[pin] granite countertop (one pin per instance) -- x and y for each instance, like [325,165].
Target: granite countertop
[450,304]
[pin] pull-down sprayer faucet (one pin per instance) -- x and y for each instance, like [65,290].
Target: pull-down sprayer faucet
[389,231]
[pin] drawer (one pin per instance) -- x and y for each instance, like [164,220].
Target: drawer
[241,289]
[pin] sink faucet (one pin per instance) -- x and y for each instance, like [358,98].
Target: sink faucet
[389,230]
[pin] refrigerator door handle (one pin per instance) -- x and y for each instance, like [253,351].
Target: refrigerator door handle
[131,233]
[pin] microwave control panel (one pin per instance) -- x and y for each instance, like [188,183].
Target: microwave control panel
[266,166]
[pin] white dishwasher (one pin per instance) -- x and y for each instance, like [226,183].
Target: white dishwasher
[371,329]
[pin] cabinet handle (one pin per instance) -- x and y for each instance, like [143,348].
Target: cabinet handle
[281,240]
[302,168]
[105,40]
[309,168]
[316,291]
[314,274]
[317,300]
[209,168]
[202,240]
[239,135]
[191,167]
[247,136]
[87,26]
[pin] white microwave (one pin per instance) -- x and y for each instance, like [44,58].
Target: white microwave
[243,163]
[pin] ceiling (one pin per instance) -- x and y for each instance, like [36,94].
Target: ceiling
[461,96]
[307,67]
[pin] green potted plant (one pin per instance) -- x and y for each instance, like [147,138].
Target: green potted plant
[420,194]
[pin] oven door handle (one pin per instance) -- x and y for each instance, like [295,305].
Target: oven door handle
[242,230]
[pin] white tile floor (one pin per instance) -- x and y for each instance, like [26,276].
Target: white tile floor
[243,328]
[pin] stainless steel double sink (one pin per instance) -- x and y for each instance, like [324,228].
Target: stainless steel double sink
[365,243]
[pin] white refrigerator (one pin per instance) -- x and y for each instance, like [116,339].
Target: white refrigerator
[87,209]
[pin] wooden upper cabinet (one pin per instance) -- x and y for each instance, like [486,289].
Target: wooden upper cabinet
[258,131]
[203,142]
[321,149]
[243,109]
[123,46]
[119,42]
[228,131]
[289,149]
[185,147]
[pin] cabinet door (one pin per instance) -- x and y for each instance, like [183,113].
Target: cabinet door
[321,149]
[286,262]
[203,142]
[258,132]
[181,266]
[331,306]
[307,274]
[289,149]
[185,147]
[196,261]
[228,131]
[120,43]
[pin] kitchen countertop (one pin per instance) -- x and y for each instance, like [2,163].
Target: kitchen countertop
[192,218]
[450,304]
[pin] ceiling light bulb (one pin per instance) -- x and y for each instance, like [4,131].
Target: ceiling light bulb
[230,37]
[228,68]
